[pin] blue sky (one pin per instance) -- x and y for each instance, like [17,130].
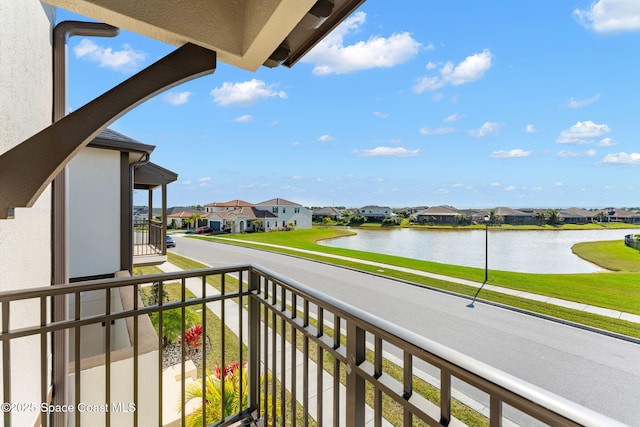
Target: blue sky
[529,103]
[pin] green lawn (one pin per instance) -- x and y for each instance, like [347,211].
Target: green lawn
[614,290]
[612,254]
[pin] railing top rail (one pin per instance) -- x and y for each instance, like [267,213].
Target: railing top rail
[488,377]
[101,284]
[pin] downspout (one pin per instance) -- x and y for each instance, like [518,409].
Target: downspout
[146,158]
[59,217]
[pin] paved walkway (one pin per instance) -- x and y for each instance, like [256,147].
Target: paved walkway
[528,295]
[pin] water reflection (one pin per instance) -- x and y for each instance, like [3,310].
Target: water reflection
[547,251]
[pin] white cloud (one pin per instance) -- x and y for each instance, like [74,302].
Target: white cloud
[575,104]
[496,184]
[187,182]
[453,118]
[331,56]
[387,151]
[607,142]
[605,16]
[245,118]
[559,184]
[126,60]
[380,115]
[244,93]
[470,69]
[325,138]
[582,133]
[622,159]
[431,66]
[487,129]
[509,188]
[174,98]
[530,129]
[204,182]
[588,153]
[510,154]
[438,131]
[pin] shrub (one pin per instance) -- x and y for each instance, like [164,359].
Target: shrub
[216,408]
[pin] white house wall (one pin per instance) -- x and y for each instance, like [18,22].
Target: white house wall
[286,215]
[94,213]
[25,109]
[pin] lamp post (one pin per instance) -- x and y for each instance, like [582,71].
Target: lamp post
[486,248]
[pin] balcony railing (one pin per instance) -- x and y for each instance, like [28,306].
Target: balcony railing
[303,358]
[148,238]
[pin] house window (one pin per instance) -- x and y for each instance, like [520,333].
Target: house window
[284,224]
[274,210]
[296,210]
[268,224]
[284,210]
[295,222]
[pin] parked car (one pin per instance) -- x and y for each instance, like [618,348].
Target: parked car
[170,242]
[203,230]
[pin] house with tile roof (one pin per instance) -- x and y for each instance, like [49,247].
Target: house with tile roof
[227,206]
[239,216]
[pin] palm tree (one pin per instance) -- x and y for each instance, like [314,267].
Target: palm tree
[541,217]
[554,217]
[216,390]
[494,218]
[196,218]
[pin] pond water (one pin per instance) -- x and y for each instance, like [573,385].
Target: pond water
[528,251]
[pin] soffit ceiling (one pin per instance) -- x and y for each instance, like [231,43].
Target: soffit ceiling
[244,33]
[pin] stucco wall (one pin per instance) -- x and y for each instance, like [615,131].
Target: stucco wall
[94,213]
[25,108]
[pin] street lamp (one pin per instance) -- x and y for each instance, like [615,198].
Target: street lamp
[486,248]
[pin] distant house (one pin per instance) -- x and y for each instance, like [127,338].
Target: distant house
[241,219]
[619,215]
[239,215]
[375,213]
[328,212]
[508,215]
[182,219]
[577,216]
[439,215]
[287,213]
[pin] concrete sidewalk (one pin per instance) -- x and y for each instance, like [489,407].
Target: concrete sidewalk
[528,295]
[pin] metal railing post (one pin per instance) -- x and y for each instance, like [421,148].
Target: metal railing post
[254,341]
[355,414]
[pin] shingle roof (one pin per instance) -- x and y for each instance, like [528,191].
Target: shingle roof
[278,202]
[439,210]
[327,211]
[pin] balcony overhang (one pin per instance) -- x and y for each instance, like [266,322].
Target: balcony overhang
[245,34]
[150,176]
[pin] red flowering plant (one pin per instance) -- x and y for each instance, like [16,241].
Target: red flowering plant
[193,338]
